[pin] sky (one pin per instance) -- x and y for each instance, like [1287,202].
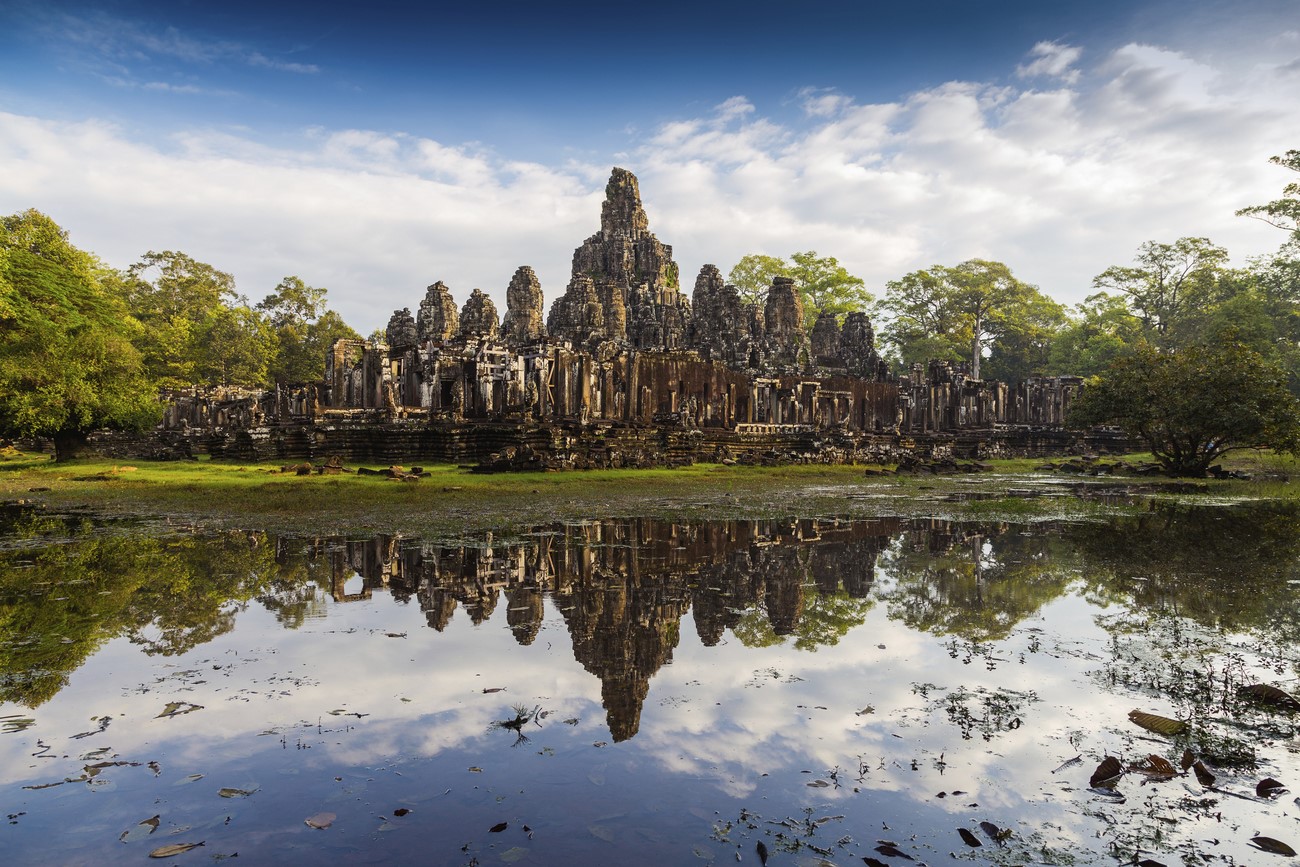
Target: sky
[373,149]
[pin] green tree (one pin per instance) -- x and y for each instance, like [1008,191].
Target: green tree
[1192,405]
[176,298]
[67,365]
[1284,212]
[823,283]
[240,348]
[1096,333]
[966,311]
[1166,281]
[305,329]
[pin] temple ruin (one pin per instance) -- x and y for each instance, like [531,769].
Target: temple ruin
[625,370]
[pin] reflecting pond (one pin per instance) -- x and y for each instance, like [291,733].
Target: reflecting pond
[797,692]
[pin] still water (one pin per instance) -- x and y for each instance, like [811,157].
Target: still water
[643,692]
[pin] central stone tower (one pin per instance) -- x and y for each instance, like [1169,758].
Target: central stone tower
[624,286]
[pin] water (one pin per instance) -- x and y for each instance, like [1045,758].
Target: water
[644,692]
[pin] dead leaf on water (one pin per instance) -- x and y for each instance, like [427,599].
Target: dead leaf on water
[1161,725]
[141,830]
[320,821]
[818,784]
[192,778]
[968,838]
[401,811]
[489,689]
[761,849]
[1269,788]
[475,770]
[15,723]
[235,793]
[174,849]
[1107,772]
[1155,766]
[498,827]
[1187,760]
[176,708]
[1265,694]
[1203,775]
[1268,844]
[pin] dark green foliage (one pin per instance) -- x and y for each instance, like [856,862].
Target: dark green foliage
[67,363]
[1194,404]
[304,327]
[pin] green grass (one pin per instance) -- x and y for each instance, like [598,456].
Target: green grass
[451,502]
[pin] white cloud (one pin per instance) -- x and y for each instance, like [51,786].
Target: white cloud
[1148,144]
[1052,59]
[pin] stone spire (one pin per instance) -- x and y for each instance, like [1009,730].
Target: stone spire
[478,318]
[623,258]
[524,315]
[437,320]
[622,214]
[401,332]
[787,342]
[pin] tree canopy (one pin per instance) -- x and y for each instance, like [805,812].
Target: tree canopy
[304,328]
[1283,213]
[1192,405]
[823,283]
[966,311]
[67,363]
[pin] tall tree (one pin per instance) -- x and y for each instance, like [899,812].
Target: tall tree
[67,364]
[178,300]
[1165,280]
[965,311]
[1098,331]
[305,329]
[823,283]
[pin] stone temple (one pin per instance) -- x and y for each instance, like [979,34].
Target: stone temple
[625,369]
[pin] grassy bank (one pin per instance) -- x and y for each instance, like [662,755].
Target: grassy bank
[450,501]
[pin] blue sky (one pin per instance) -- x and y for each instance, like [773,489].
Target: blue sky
[374,149]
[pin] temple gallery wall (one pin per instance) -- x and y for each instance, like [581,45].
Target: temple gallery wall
[623,370]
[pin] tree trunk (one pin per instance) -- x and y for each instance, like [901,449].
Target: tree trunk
[69,444]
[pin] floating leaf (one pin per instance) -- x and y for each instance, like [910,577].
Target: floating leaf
[174,849]
[1107,772]
[1188,760]
[1156,765]
[873,862]
[1268,844]
[1269,787]
[15,723]
[1265,694]
[1161,725]
[889,850]
[320,821]
[490,689]
[1203,775]
[498,827]
[192,778]
[401,811]
[143,829]
[1067,763]
[818,784]
[968,838]
[235,793]
[1147,862]
[762,853]
[176,708]
[475,770]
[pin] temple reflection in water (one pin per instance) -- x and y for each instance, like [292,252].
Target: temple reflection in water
[623,586]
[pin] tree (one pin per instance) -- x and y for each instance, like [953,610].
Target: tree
[1100,330]
[965,311]
[1284,213]
[823,283]
[176,298]
[1192,405]
[305,329]
[1166,280]
[67,364]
